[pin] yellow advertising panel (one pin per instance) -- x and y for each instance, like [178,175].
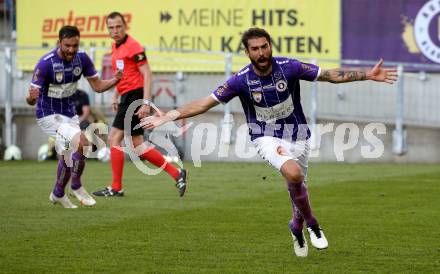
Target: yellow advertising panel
[185,35]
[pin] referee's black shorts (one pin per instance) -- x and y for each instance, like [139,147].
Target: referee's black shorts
[126,100]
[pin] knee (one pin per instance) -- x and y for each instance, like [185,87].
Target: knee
[292,173]
[113,141]
[295,177]
[83,141]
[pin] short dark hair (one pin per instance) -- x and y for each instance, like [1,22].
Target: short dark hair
[68,32]
[254,33]
[115,14]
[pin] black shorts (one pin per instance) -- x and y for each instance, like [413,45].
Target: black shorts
[126,100]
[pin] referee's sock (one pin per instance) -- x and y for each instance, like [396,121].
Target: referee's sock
[153,156]
[117,158]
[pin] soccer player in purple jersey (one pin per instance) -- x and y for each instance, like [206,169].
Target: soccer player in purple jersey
[269,92]
[53,86]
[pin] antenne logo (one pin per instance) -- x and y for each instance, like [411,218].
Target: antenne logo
[427,30]
[90,26]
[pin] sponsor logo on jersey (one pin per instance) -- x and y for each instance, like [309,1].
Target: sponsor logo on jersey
[254,82]
[281,85]
[58,67]
[270,86]
[275,112]
[61,90]
[37,72]
[306,67]
[277,75]
[221,89]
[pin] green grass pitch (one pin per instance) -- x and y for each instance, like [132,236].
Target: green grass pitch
[378,218]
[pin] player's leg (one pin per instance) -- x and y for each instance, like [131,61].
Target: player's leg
[273,151]
[296,229]
[70,136]
[49,125]
[78,165]
[297,190]
[156,158]
[62,178]
[300,152]
[117,160]
[277,153]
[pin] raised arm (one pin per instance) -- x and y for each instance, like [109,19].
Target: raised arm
[191,109]
[377,73]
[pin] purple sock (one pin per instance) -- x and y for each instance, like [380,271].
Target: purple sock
[77,170]
[297,222]
[300,199]
[63,176]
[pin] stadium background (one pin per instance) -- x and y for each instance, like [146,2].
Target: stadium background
[193,49]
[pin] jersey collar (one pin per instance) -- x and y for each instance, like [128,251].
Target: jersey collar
[122,42]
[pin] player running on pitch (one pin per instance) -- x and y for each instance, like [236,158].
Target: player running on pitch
[269,92]
[53,86]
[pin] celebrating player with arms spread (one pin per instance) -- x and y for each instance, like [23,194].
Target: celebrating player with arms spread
[53,86]
[269,92]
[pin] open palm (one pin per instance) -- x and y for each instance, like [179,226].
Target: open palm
[380,74]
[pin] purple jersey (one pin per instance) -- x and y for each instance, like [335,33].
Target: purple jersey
[272,103]
[58,80]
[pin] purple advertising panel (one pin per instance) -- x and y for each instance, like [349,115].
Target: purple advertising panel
[396,30]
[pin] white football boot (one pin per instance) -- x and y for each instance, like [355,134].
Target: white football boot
[300,245]
[63,201]
[317,237]
[83,196]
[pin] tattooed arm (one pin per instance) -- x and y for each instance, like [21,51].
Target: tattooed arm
[341,75]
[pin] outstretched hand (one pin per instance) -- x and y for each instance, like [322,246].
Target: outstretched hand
[159,119]
[143,111]
[379,74]
[153,121]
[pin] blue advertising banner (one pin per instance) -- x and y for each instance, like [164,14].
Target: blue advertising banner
[396,30]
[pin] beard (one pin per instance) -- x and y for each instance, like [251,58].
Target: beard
[66,55]
[262,69]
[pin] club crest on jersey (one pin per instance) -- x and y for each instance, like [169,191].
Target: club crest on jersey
[59,76]
[257,96]
[77,71]
[281,85]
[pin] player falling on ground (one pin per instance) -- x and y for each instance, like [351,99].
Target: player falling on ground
[129,55]
[269,92]
[53,86]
